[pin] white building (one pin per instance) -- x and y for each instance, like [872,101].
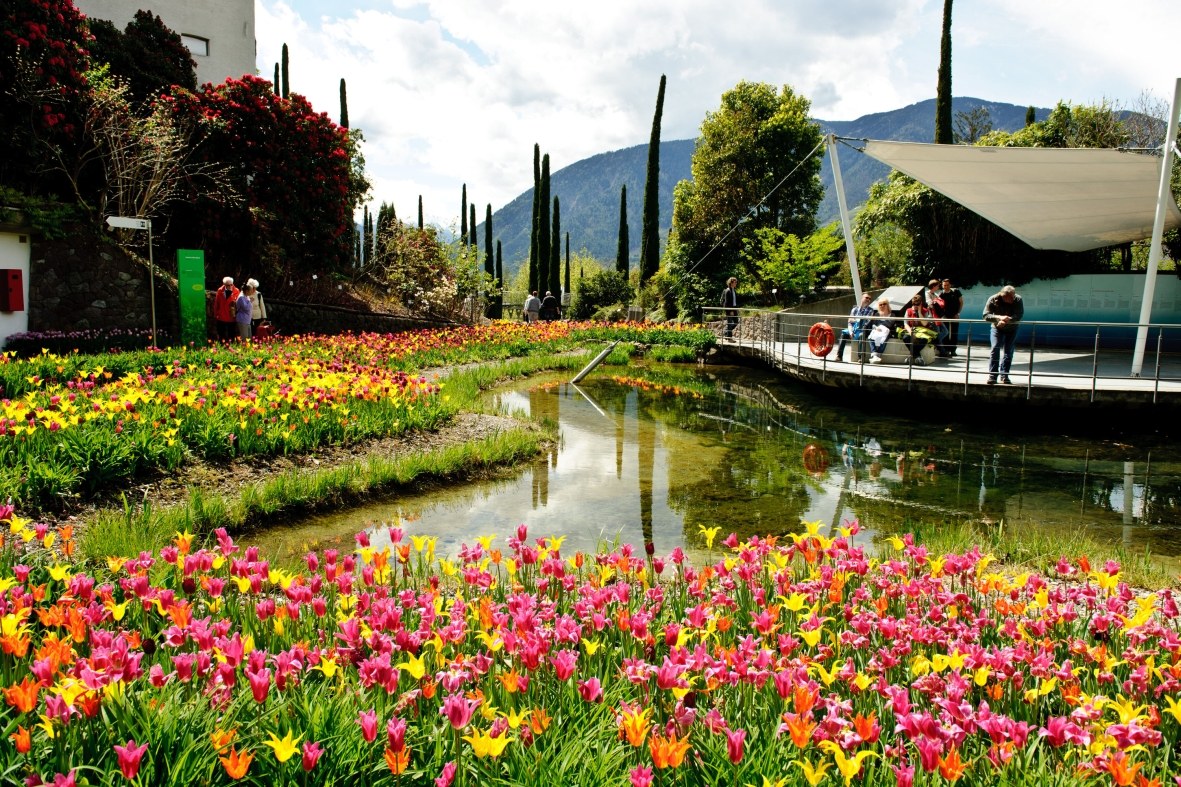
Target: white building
[219,33]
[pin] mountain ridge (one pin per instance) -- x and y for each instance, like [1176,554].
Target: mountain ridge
[589,189]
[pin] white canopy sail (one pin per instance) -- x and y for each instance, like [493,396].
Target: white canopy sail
[1071,199]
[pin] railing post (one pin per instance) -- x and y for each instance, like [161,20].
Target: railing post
[1095,364]
[1029,377]
[967,358]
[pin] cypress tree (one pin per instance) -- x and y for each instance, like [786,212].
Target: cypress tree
[650,231]
[555,256]
[1030,116]
[463,217]
[567,288]
[499,279]
[277,91]
[344,105]
[489,261]
[364,234]
[621,262]
[943,130]
[533,233]
[420,211]
[286,84]
[543,228]
[471,227]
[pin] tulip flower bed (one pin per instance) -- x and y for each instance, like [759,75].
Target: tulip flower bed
[76,425]
[799,660]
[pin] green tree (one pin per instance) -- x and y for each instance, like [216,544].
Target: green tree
[344,105]
[543,226]
[1030,116]
[650,228]
[554,284]
[754,167]
[278,89]
[567,287]
[420,211]
[463,216]
[624,246]
[489,261]
[286,89]
[148,54]
[795,266]
[943,129]
[499,313]
[533,234]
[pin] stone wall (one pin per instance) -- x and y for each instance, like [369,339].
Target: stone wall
[87,283]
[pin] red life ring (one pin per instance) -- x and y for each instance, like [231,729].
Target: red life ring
[815,459]
[820,339]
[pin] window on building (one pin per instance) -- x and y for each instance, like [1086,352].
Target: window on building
[197,45]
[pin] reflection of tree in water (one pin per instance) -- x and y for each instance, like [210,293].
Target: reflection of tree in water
[543,404]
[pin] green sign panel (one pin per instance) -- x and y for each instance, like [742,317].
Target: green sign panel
[190,279]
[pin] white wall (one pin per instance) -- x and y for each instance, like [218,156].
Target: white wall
[15,254]
[228,25]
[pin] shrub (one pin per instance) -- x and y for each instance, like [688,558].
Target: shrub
[604,288]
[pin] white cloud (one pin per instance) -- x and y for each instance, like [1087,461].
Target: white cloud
[455,91]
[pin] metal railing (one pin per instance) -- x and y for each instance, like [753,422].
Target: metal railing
[1056,354]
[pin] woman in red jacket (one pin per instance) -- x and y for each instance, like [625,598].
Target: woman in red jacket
[224,300]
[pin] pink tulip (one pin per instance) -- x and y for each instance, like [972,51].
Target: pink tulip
[129,758]
[641,776]
[395,730]
[591,690]
[735,745]
[368,721]
[458,710]
[260,683]
[904,774]
[447,776]
[311,755]
[564,661]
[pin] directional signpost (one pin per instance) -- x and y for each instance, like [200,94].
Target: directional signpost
[129,223]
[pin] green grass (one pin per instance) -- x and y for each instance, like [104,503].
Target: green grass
[136,528]
[1034,549]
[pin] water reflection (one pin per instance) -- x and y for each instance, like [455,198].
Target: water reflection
[651,458]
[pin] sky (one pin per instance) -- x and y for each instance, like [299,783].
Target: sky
[448,92]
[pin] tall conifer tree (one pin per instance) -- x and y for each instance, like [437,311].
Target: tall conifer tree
[943,130]
[278,91]
[489,261]
[344,105]
[567,289]
[420,211]
[463,217]
[650,232]
[555,257]
[543,227]
[1030,116]
[471,227]
[286,88]
[499,282]
[533,233]
[621,254]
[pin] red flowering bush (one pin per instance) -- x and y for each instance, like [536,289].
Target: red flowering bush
[300,173]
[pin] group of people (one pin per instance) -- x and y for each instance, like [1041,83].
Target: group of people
[932,318]
[238,312]
[537,309]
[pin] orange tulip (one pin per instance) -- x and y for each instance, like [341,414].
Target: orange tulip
[237,765]
[952,767]
[397,760]
[22,739]
[539,721]
[800,727]
[23,695]
[668,752]
[1123,773]
[634,725]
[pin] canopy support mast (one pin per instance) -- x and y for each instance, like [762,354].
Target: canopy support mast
[854,274]
[1158,227]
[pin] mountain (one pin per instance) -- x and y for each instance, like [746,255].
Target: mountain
[589,189]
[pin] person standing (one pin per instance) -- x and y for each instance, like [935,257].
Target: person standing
[549,307]
[532,308]
[953,304]
[242,309]
[258,308]
[858,326]
[1004,311]
[730,304]
[224,305]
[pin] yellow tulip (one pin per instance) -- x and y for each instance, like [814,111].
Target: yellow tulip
[285,748]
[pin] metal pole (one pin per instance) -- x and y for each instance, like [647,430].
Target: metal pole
[152,281]
[846,227]
[1029,379]
[1095,364]
[1158,228]
[590,366]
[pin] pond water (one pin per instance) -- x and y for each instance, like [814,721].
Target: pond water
[650,456]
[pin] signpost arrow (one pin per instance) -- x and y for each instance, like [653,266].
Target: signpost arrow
[126,223]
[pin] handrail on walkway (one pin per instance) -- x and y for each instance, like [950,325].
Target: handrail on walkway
[1049,353]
